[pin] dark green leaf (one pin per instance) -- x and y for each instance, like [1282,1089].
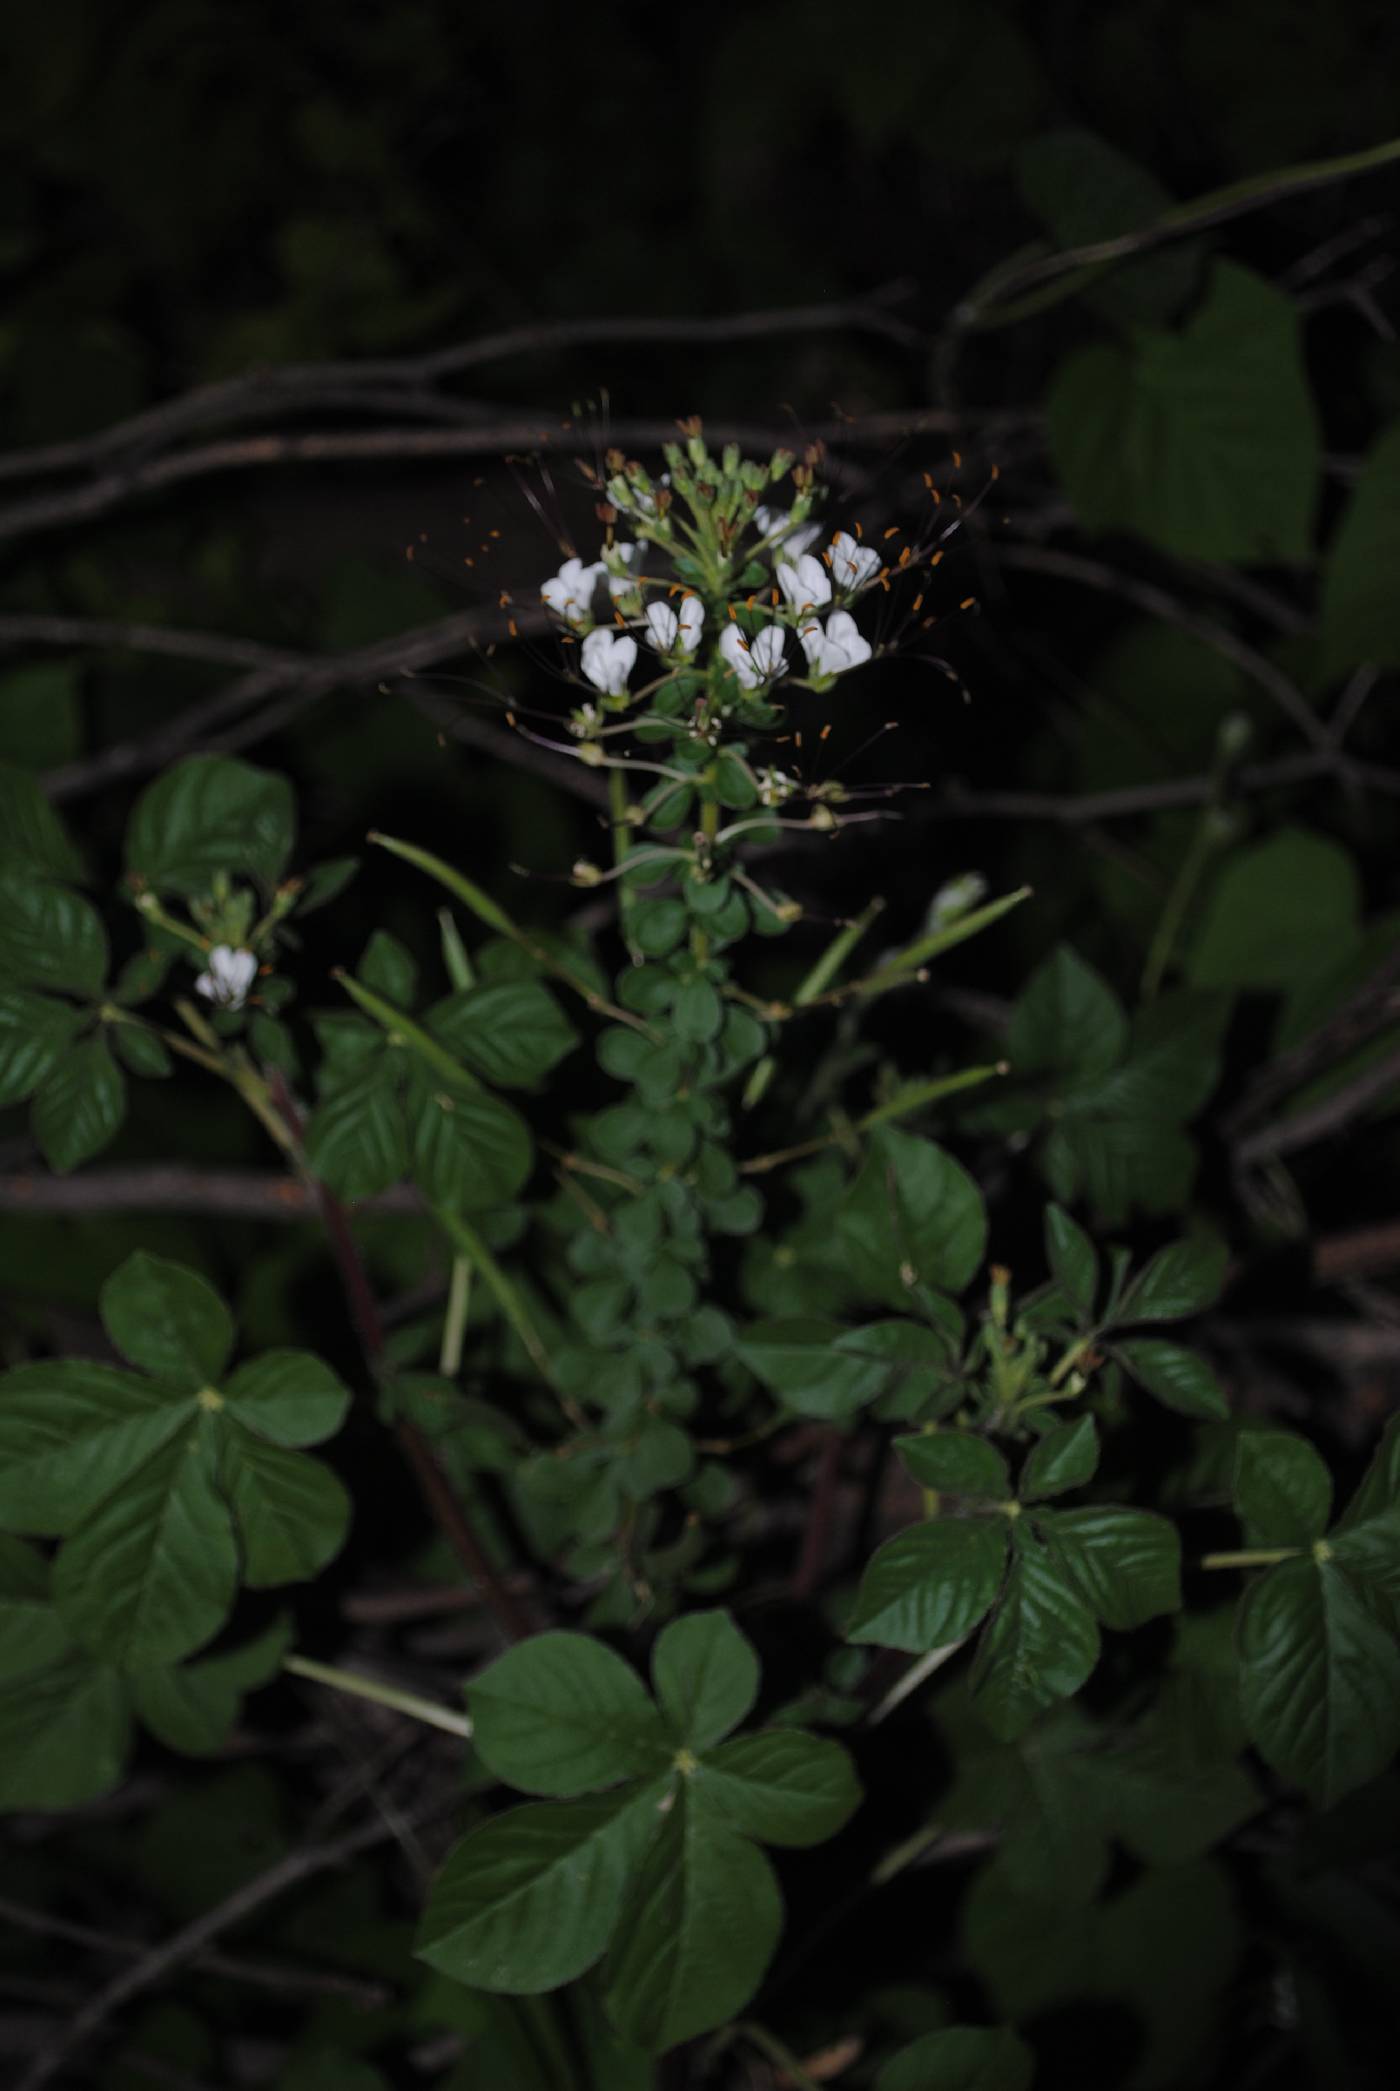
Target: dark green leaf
[561,1714]
[780,1786]
[32,1636]
[705,1676]
[210,813]
[385,966]
[289,1396]
[64,1735]
[1179,1379]
[512,1034]
[1073,1260]
[34,1030]
[291,1512]
[50,937]
[1084,190]
[355,1141]
[1125,1564]
[470,1151]
[1041,1644]
[1067,1020]
[1360,615]
[913,1216]
[1183,1279]
[817,1367]
[79,1106]
[697,1014]
[961,2058]
[1066,1457]
[142,1052]
[1379,1489]
[1283,1492]
[168,1321]
[192,1708]
[71,1431]
[928,1587]
[33,840]
[1276,911]
[955,1463]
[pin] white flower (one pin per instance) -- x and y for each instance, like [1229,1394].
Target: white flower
[807,585]
[955,898]
[231,974]
[622,584]
[792,538]
[607,660]
[570,593]
[774,787]
[839,647]
[755,660]
[666,628]
[852,564]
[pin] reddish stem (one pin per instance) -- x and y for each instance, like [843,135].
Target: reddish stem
[816,1536]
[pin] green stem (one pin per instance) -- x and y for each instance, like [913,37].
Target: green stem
[426,1710]
[1252,1557]
[820,977]
[1206,839]
[911,1099]
[454,1327]
[905,965]
[468,1244]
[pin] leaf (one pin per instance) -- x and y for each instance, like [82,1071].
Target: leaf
[1066,1457]
[1360,619]
[291,1512]
[1041,1644]
[1204,441]
[210,813]
[697,1931]
[1283,1492]
[65,1733]
[356,1142]
[816,1367]
[385,966]
[955,1463]
[1073,1261]
[961,2058]
[79,1107]
[928,1586]
[781,1786]
[50,937]
[34,1030]
[913,1216]
[192,1707]
[33,840]
[513,1033]
[561,1714]
[71,1431]
[1379,1488]
[1319,1679]
[1066,1020]
[1124,1564]
[152,1572]
[32,1636]
[1277,908]
[288,1396]
[705,1675]
[469,1150]
[528,1901]
[1178,1378]
[1183,1279]
[1084,190]
[168,1321]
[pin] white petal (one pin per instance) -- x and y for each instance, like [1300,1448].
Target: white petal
[624,656]
[205,986]
[692,622]
[662,624]
[735,649]
[807,585]
[596,656]
[843,632]
[766,651]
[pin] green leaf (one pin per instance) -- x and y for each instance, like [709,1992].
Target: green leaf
[1360,618]
[913,1216]
[356,1142]
[1276,910]
[697,1931]
[528,1901]
[1067,1020]
[1041,1644]
[191,1708]
[32,1636]
[385,966]
[142,1052]
[1124,1564]
[34,1030]
[168,1321]
[1319,1679]
[1084,190]
[697,1015]
[705,1675]
[210,813]
[955,1463]
[781,1786]
[288,1396]
[152,1572]
[65,1733]
[928,1586]
[1283,1492]
[33,840]
[561,1714]
[816,1367]
[1066,1457]
[71,1431]
[79,1107]
[1379,1488]
[1183,1279]
[1073,1261]
[961,2058]
[470,1151]
[292,1513]
[513,1033]
[50,937]
[1179,1378]
[1204,441]
[657,926]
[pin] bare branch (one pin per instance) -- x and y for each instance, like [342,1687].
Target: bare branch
[230,1194]
[1333,1114]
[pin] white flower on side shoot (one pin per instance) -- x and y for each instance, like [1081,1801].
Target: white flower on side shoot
[569,594]
[231,973]
[789,537]
[807,585]
[839,647]
[607,659]
[852,565]
[628,559]
[668,630]
[754,661]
